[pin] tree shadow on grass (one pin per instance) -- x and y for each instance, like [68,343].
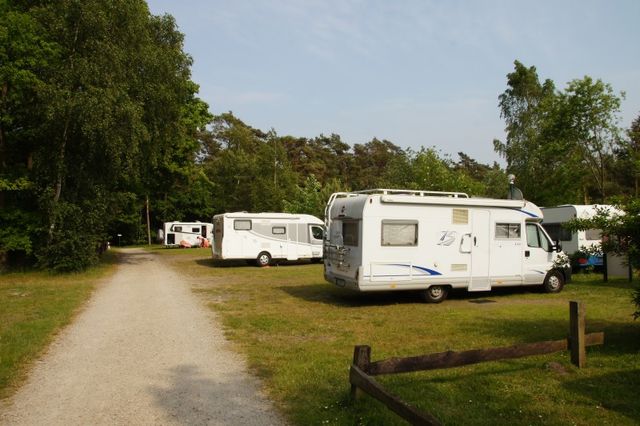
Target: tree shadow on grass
[193,397]
[620,337]
[621,283]
[215,263]
[474,384]
[128,258]
[617,391]
[332,295]
[327,294]
[236,263]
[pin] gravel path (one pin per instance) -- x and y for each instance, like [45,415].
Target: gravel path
[144,351]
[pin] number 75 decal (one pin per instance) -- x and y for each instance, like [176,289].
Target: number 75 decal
[447,238]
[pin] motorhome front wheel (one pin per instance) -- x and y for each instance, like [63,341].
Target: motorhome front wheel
[435,294]
[553,282]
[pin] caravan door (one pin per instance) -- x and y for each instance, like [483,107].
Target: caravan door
[480,251]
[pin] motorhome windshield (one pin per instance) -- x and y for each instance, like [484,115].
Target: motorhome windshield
[536,237]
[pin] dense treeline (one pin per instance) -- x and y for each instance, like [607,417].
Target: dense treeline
[98,110]
[99,114]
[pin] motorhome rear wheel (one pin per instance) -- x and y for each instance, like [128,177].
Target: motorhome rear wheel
[435,294]
[263,259]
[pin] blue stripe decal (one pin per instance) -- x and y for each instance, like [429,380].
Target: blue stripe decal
[427,270]
[528,213]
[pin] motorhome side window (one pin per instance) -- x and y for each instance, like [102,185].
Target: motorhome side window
[537,238]
[350,234]
[507,231]
[196,230]
[177,229]
[242,225]
[399,233]
[279,230]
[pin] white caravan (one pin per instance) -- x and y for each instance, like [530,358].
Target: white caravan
[386,239]
[174,232]
[572,242]
[266,236]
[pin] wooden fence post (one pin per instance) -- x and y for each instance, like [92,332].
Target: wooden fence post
[361,359]
[576,333]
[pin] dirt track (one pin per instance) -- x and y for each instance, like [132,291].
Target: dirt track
[144,351]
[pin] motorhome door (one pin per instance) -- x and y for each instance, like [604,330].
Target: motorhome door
[537,254]
[480,251]
[292,241]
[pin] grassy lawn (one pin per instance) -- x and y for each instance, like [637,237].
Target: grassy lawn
[33,307]
[298,334]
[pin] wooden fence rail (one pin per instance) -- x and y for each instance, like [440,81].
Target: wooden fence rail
[362,370]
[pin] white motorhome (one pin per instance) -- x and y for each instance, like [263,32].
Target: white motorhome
[572,242]
[266,236]
[386,239]
[175,232]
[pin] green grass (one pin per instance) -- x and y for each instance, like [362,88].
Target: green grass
[298,334]
[33,307]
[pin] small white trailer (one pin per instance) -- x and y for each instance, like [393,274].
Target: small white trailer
[175,232]
[266,236]
[572,242]
[575,241]
[430,241]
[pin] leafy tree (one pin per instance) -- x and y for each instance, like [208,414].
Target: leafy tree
[495,182]
[626,169]
[311,198]
[534,152]
[251,168]
[97,105]
[591,109]
[558,141]
[426,170]
[369,163]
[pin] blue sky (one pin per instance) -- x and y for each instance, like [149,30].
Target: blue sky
[418,73]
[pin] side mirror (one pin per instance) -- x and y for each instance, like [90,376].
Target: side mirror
[557,246]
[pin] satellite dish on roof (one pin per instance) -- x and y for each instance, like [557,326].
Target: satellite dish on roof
[514,193]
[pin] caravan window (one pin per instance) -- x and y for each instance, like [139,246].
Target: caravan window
[557,232]
[195,230]
[279,230]
[177,229]
[242,225]
[507,231]
[399,233]
[593,234]
[350,233]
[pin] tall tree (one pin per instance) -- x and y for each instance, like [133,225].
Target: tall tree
[558,143]
[626,169]
[592,108]
[369,163]
[524,106]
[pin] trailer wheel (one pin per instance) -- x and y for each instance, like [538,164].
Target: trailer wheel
[435,294]
[553,282]
[316,260]
[263,259]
